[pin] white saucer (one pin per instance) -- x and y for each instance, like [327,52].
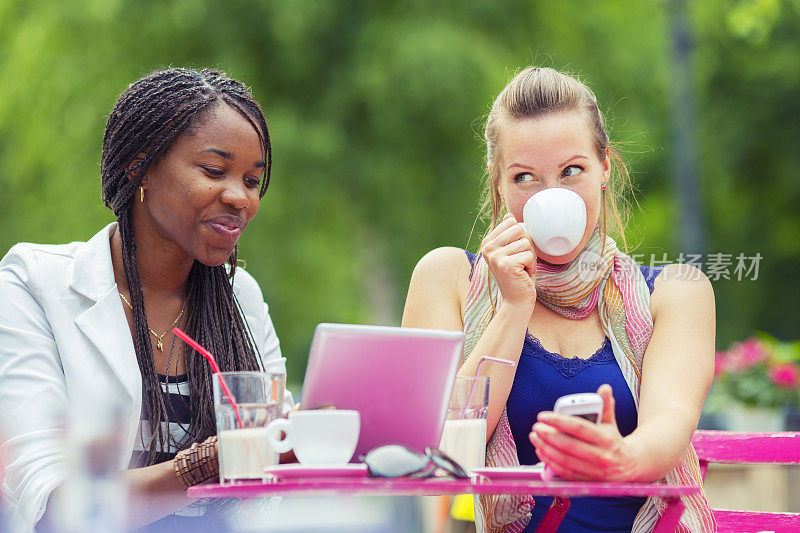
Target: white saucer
[515,473]
[297,470]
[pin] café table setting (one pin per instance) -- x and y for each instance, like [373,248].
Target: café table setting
[356,479]
[252,434]
[350,485]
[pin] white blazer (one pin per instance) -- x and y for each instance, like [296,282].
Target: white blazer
[64,338]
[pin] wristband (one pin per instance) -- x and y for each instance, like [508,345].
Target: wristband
[197,463]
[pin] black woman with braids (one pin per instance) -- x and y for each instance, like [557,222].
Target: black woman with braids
[186,160]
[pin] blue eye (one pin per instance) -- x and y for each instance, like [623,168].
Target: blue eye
[523,177]
[572,170]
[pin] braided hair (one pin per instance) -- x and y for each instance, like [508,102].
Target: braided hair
[146,119]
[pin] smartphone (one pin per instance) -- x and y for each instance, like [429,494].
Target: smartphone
[587,405]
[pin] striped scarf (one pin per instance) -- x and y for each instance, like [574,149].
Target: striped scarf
[600,276]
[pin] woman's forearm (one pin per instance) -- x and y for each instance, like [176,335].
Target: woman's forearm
[503,338]
[154,492]
[660,443]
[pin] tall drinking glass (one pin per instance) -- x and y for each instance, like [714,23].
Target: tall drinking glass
[464,435]
[244,403]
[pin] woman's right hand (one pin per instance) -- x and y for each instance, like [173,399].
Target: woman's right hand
[508,250]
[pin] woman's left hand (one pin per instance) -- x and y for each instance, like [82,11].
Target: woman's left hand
[576,449]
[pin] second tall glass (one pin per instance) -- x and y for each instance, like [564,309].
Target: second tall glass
[464,435]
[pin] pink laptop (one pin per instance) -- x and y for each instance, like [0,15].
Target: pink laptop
[399,379]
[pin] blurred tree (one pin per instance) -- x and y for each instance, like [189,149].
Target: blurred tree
[376,110]
[748,86]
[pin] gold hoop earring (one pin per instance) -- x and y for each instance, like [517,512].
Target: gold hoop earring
[141,194]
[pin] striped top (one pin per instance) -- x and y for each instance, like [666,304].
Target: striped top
[176,399]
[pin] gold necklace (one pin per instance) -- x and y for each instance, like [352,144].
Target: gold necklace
[159,338]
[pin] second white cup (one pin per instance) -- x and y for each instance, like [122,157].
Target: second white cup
[321,437]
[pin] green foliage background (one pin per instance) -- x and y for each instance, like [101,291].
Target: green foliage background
[375,111]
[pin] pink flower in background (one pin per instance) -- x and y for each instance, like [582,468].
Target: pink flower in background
[742,356]
[734,358]
[760,370]
[784,375]
[753,352]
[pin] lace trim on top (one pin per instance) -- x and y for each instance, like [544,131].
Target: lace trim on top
[567,366]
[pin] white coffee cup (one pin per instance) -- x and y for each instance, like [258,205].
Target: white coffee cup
[555,218]
[324,437]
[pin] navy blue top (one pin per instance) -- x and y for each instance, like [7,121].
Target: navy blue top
[541,378]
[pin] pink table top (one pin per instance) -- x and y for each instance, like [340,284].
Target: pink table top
[434,487]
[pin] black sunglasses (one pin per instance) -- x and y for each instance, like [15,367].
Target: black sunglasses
[395,460]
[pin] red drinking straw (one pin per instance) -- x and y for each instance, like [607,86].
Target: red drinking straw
[214,366]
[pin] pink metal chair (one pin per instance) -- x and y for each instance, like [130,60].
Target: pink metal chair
[758,448]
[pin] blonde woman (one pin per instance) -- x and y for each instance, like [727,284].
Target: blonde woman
[641,337]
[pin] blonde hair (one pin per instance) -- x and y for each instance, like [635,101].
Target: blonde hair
[536,92]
